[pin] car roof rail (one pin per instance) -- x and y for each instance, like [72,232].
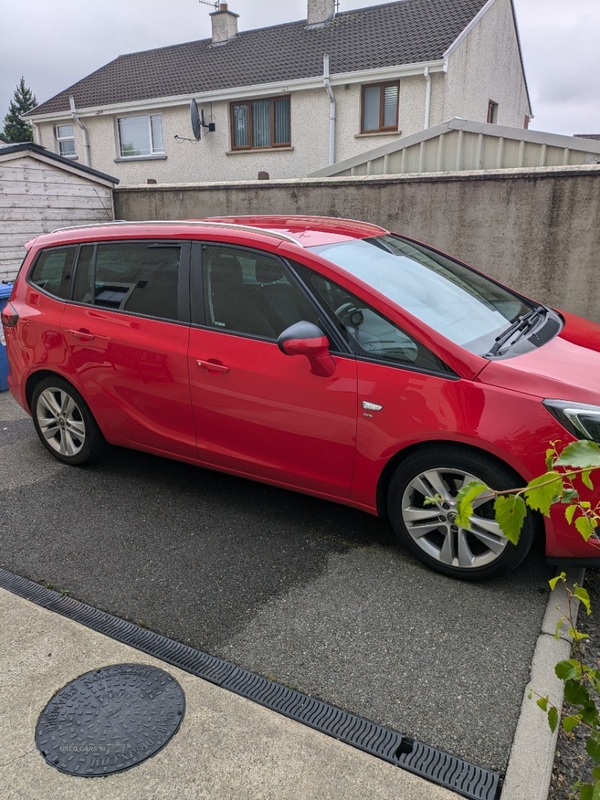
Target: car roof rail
[196,222]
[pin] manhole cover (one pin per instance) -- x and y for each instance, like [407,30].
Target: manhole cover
[110,719]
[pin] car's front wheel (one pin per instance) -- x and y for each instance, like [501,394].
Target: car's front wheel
[64,423]
[430,531]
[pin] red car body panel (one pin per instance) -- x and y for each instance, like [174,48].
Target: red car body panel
[238,404]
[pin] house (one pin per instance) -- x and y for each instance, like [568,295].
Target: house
[41,191]
[293,98]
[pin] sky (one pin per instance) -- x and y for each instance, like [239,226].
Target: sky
[54,43]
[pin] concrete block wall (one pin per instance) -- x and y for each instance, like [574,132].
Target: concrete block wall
[537,230]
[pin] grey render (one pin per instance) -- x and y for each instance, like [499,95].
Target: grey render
[451,58]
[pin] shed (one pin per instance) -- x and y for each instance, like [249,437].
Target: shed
[461,144]
[41,191]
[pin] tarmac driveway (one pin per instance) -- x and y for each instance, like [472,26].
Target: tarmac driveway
[312,595]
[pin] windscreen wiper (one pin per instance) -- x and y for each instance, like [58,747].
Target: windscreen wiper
[521,325]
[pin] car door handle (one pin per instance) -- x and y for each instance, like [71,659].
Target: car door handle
[83,336]
[212,366]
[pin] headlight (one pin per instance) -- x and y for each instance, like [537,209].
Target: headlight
[581,420]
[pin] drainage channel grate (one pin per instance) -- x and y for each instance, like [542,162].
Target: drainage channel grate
[427,762]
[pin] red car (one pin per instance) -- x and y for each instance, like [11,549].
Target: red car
[326,356]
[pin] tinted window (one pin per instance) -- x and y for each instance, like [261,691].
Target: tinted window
[369,333]
[249,292]
[52,271]
[139,277]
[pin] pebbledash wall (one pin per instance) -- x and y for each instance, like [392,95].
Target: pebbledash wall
[536,229]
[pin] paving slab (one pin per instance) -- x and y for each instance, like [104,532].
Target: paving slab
[226,747]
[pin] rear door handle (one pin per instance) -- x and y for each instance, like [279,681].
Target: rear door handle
[212,366]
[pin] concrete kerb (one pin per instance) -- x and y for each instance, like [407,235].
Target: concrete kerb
[532,755]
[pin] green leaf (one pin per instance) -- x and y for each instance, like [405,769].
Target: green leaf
[585,791]
[510,512]
[585,527]
[571,722]
[543,703]
[562,577]
[582,453]
[596,773]
[566,670]
[541,492]
[577,635]
[552,718]
[569,495]
[570,513]
[584,597]
[576,694]
[589,716]
[592,747]
[596,792]
[550,453]
[587,481]
[464,502]
[559,625]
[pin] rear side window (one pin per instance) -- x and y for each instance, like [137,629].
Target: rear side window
[52,271]
[139,277]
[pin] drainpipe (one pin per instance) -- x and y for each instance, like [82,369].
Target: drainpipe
[86,145]
[329,91]
[427,97]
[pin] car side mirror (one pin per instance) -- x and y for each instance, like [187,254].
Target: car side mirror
[305,339]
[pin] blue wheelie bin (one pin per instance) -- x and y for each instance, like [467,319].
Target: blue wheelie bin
[5,290]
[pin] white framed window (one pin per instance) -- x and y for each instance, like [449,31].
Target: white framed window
[140,136]
[65,140]
[492,115]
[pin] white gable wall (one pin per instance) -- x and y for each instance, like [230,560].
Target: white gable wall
[486,66]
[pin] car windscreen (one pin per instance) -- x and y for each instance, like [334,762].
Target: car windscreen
[462,305]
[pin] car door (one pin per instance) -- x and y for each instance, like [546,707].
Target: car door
[127,332]
[259,412]
[405,392]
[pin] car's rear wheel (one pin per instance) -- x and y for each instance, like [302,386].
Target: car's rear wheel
[431,532]
[64,423]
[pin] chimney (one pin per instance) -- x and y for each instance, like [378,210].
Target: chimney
[224,24]
[320,11]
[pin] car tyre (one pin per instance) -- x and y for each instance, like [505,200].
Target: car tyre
[430,532]
[64,423]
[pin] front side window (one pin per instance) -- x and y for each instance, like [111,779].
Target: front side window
[369,333]
[140,136]
[260,123]
[138,277]
[380,107]
[52,271]
[249,292]
[457,302]
[65,140]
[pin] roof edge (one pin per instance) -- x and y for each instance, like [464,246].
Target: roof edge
[47,155]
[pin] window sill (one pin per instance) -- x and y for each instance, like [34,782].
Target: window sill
[377,133]
[70,158]
[153,157]
[255,150]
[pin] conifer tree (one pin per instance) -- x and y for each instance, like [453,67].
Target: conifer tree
[16,129]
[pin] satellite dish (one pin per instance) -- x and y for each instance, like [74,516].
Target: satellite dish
[195,117]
